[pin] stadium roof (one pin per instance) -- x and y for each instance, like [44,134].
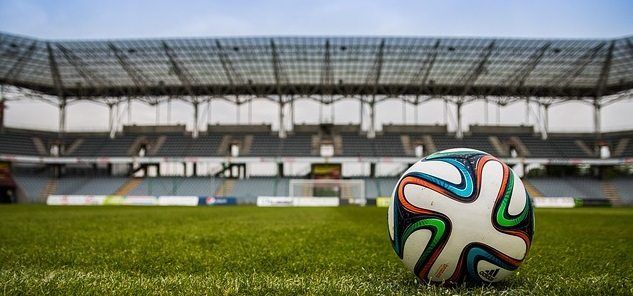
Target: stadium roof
[318,66]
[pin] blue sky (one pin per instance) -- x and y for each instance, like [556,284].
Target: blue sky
[99,19]
[158,18]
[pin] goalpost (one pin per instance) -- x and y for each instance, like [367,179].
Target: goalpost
[348,191]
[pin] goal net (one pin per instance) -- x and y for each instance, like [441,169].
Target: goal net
[349,191]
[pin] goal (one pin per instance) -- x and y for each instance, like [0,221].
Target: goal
[350,191]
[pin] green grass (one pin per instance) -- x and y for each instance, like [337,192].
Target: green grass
[246,250]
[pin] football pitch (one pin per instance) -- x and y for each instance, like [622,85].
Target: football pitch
[282,251]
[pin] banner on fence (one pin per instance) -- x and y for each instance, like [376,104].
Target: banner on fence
[116,200]
[169,200]
[274,201]
[75,200]
[262,201]
[383,202]
[554,202]
[315,201]
[286,201]
[217,201]
[140,201]
[113,200]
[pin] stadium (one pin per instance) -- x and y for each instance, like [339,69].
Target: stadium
[330,180]
[171,160]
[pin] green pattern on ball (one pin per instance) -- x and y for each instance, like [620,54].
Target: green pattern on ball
[503,217]
[437,228]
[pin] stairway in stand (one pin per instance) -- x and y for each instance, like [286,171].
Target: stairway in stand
[611,193]
[532,191]
[226,188]
[128,186]
[49,189]
[346,192]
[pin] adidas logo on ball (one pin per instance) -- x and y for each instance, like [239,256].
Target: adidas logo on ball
[489,274]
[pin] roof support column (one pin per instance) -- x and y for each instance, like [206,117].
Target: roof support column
[459,133]
[62,115]
[545,129]
[129,111]
[169,111]
[373,79]
[527,111]
[332,113]
[292,112]
[282,128]
[194,134]
[157,113]
[111,127]
[250,112]
[2,107]
[371,132]
[445,112]
[602,82]
[57,81]
[360,114]
[320,112]
[209,112]
[596,117]
[416,106]
[404,111]
[486,117]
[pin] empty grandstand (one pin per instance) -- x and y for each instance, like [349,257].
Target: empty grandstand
[98,165]
[246,161]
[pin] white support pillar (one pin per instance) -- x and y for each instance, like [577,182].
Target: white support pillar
[320,112]
[404,111]
[597,120]
[194,134]
[129,111]
[332,113]
[498,114]
[545,129]
[445,112]
[169,111]
[486,117]
[157,113]
[282,126]
[111,127]
[209,112]
[360,114]
[371,132]
[250,112]
[62,115]
[527,111]
[237,112]
[292,112]
[460,132]
[2,106]
[415,113]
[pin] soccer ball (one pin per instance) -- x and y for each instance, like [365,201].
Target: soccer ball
[460,215]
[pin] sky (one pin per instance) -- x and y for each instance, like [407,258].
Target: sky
[156,18]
